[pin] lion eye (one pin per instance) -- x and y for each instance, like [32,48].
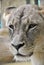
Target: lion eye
[32,25]
[11,26]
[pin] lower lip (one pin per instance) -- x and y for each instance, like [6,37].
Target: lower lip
[25,55]
[31,54]
[20,55]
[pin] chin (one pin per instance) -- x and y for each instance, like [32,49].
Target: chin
[22,58]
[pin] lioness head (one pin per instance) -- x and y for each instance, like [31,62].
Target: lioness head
[27,26]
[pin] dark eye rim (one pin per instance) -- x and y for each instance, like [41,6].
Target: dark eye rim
[11,26]
[31,26]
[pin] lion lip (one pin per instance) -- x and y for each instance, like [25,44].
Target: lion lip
[18,54]
[31,54]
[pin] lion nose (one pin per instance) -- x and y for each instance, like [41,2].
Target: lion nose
[18,46]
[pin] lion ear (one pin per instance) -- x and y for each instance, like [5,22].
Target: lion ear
[41,12]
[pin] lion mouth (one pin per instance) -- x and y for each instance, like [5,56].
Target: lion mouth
[21,55]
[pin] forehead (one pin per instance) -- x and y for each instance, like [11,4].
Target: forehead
[25,15]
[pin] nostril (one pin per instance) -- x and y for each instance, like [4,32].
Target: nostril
[18,46]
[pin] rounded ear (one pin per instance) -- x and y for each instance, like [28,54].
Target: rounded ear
[5,18]
[41,11]
[7,14]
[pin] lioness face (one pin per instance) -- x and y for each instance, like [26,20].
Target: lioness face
[27,26]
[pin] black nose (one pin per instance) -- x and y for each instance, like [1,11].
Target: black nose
[18,46]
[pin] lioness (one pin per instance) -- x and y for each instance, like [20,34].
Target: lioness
[27,26]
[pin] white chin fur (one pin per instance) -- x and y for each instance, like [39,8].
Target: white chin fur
[21,59]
